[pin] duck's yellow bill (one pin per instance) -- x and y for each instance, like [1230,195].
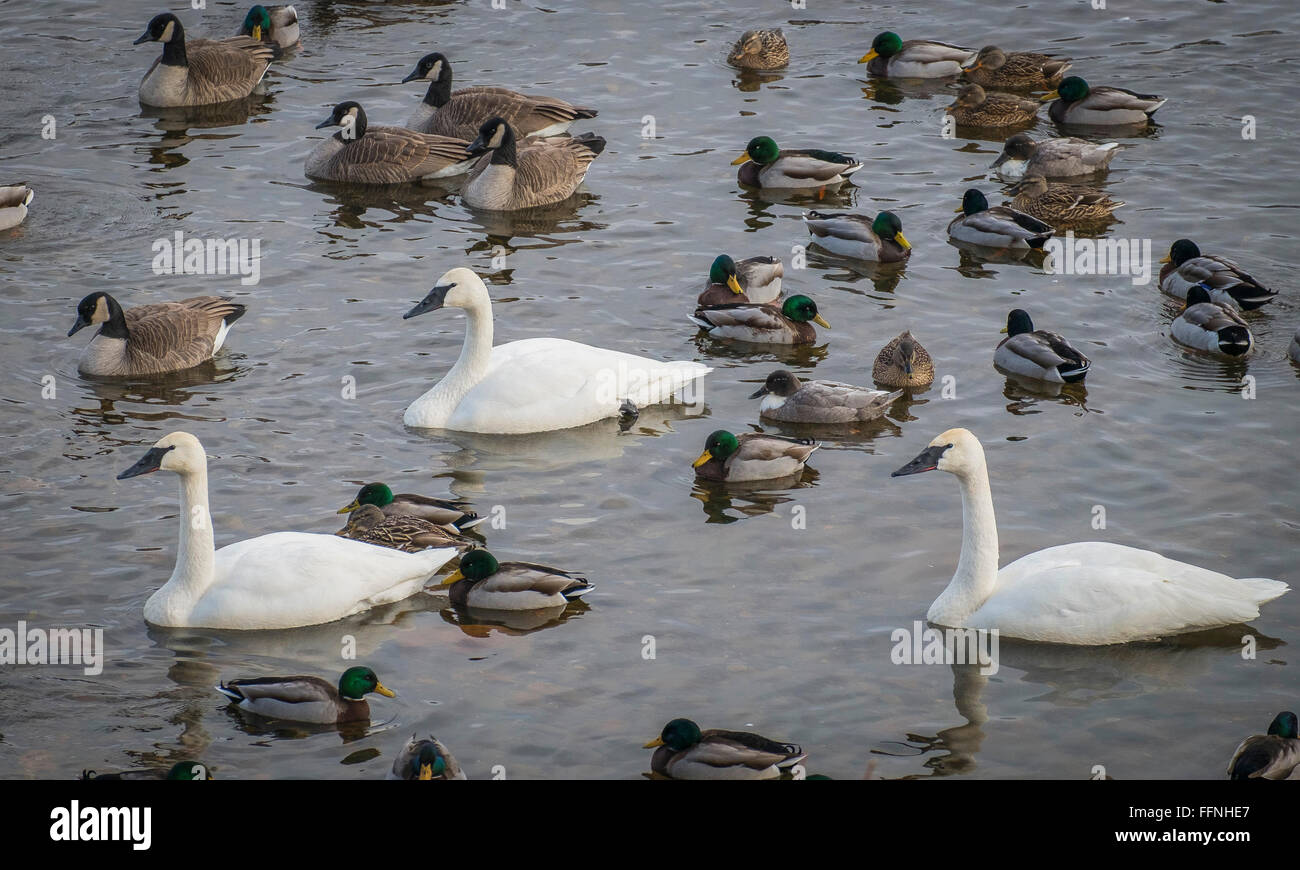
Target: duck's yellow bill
[658,741]
[1003,330]
[350,508]
[454,577]
[1046,97]
[385,691]
[734,285]
[871,55]
[704,457]
[902,240]
[426,771]
[257,32]
[1166,259]
[958,210]
[744,158]
[821,321]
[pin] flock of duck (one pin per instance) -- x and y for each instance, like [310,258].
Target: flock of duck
[514,152]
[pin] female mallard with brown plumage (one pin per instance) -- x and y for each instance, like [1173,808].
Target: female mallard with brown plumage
[409,534]
[683,751]
[449,513]
[1062,204]
[757,279]
[751,456]
[202,72]
[789,323]
[483,582]
[995,68]
[760,49]
[976,108]
[308,699]
[788,399]
[903,363]
[425,758]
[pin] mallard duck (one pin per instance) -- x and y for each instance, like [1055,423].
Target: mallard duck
[1088,593]
[1274,755]
[483,582]
[903,363]
[975,108]
[449,513]
[1062,203]
[1036,354]
[790,400]
[1185,267]
[997,226]
[1207,325]
[536,384]
[152,339]
[995,68]
[461,113]
[308,699]
[14,200]
[280,580]
[201,72]
[361,154]
[757,279]
[766,165]
[1052,158]
[760,49]
[788,323]
[750,456]
[408,534]
[915,59]
[274,24]
[879,239]
[540,172]
[181,770]
[425,759]
[1074,102]
[683,751]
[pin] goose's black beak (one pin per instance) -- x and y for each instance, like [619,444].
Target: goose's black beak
[432,302]
[144,38]
[926,460]
[477,147]
[148,463]
[328,122]
[759,393]
[413,76]
[81,324]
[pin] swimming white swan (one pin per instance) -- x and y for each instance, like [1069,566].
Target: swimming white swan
[533,385]
[281,580]
[1088,593]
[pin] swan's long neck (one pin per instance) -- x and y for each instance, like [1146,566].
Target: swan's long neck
[475,355]
[195,555]
[977,569]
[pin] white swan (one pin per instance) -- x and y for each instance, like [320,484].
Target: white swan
[1087,593]
[533,385]
[281,580]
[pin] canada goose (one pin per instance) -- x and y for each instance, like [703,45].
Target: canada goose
[1052,158]
[790,400]
[14,200]
[362,154]
[1062,204]
[760,49]
[152,339]
[877,240]
[203,71]
[1089,593]
[274,24]
[1210,326]
[767,166]
[1274,755]
[408,534]
[448,513]
[903,363]
[998,226]
[483,582]
[757,279]
[916,58]
[1074,102]
[995,68]
[1037,354]
[538,173]
[788,323]
[1185,267]
[536,384]
[308,699]
[425,759]
[462,113]
[751,456]
[683,751]
[975,108]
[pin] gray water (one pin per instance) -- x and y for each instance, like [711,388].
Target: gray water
[757,625]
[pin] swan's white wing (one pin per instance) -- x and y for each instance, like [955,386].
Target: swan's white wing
[1099,593]
[290,579]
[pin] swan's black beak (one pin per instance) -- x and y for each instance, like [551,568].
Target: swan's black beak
[144,38]
[759,393]
[432,302]
[328,122]
[81,324]
[926,460]
[148,463]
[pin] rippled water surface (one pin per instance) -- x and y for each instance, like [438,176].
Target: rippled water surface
[756,624]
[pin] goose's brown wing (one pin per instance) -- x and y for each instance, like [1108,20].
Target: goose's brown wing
[387,155]
[551,169]
[226,69]
[178,335]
